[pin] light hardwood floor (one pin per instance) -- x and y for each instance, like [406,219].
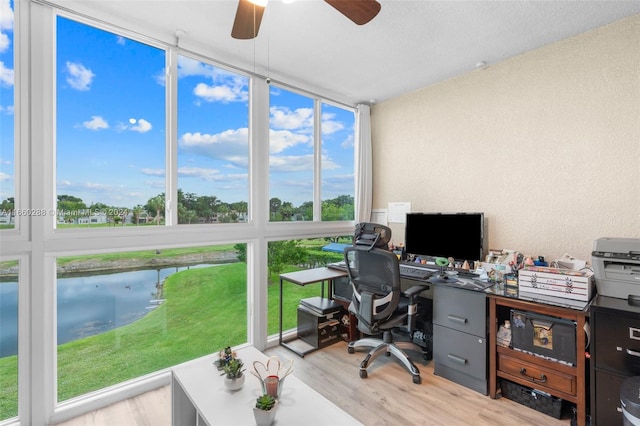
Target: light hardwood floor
[386,397]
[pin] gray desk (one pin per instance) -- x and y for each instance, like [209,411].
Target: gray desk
[302,278]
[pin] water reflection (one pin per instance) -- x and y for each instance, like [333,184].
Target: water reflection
[90,305]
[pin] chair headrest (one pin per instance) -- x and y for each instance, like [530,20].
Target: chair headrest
[372,235]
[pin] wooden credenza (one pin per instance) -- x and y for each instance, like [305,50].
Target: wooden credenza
[560,380]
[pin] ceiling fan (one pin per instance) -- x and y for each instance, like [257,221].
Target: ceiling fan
[249,14]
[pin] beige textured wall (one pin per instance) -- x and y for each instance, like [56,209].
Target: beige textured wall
[546,144]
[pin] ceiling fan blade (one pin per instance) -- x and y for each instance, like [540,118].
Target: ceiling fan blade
[359,11]
[247,21]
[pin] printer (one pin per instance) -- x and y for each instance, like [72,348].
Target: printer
[616,267]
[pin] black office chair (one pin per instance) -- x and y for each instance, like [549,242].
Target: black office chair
[379,304]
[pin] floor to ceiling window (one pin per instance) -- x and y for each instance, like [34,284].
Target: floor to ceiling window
[291,146]
[110,128]
[338,154]
[312,152]
[9,268]
[123,315]
[289,256]
[9,284]
[213,144]
[7,117]
[118,288]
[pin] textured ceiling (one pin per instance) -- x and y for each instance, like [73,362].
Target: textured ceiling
[409,45]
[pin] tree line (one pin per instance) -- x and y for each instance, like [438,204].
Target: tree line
[194,208]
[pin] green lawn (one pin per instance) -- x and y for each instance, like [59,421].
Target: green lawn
[146,254]
[204,311]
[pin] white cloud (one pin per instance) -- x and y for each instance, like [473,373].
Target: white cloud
[7,110]
[78,76]
[279,140]
[121,40]
[230,145]
[161,77]
[299,163]
[284,118]
[159,184]
[6,76]
[189,67]
[143,126]
[4,42]
[4,177]
[291,163]
[6,15]
[224,86]
[92,186]
[96,186]
[220,93]
[348,142]
[328,163]
[152,172]
[199,172]
[96,123]
[329,125]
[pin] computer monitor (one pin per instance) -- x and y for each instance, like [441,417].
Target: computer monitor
[457,235]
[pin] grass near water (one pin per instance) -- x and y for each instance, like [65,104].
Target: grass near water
[205,310]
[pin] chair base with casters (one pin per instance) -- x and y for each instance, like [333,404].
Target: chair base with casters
[389,347]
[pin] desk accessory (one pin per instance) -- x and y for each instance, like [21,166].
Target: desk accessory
[232,368]
[233,372]
[265,410]
[272,374]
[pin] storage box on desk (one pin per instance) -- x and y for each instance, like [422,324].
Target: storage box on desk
[540,281]
[544,336]
[532,398]
[318,323]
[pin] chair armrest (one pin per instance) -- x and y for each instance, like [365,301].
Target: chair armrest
[415,290]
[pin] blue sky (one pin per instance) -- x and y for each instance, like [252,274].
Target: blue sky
[110,125]
[7,171]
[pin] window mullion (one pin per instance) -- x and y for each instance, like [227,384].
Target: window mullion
[171,114]
[317,160]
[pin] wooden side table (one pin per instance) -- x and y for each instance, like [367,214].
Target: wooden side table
[560,380]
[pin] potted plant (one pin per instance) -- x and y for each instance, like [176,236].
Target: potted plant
[265,410]
[224,357]
[232,370]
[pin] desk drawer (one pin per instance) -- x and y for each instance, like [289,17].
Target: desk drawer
[544,378]
[463,310]
[617,344]
[459,351]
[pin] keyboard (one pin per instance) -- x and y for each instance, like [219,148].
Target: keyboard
[461,273]
[406,271]
[409,271]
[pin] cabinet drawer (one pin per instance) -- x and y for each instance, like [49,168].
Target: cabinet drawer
[544,377]
[608,408]
[462,310]
[459,351]
[617,344]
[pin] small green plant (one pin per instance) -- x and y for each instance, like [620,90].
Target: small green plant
[265,402]
[233,369]
[224,357]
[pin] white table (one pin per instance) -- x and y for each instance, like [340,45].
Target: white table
[199,397]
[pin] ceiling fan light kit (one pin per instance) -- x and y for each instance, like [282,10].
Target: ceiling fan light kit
[249,14]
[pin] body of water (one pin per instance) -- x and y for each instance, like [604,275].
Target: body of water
[89,305]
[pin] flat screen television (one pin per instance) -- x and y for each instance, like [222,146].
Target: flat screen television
[457,235]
